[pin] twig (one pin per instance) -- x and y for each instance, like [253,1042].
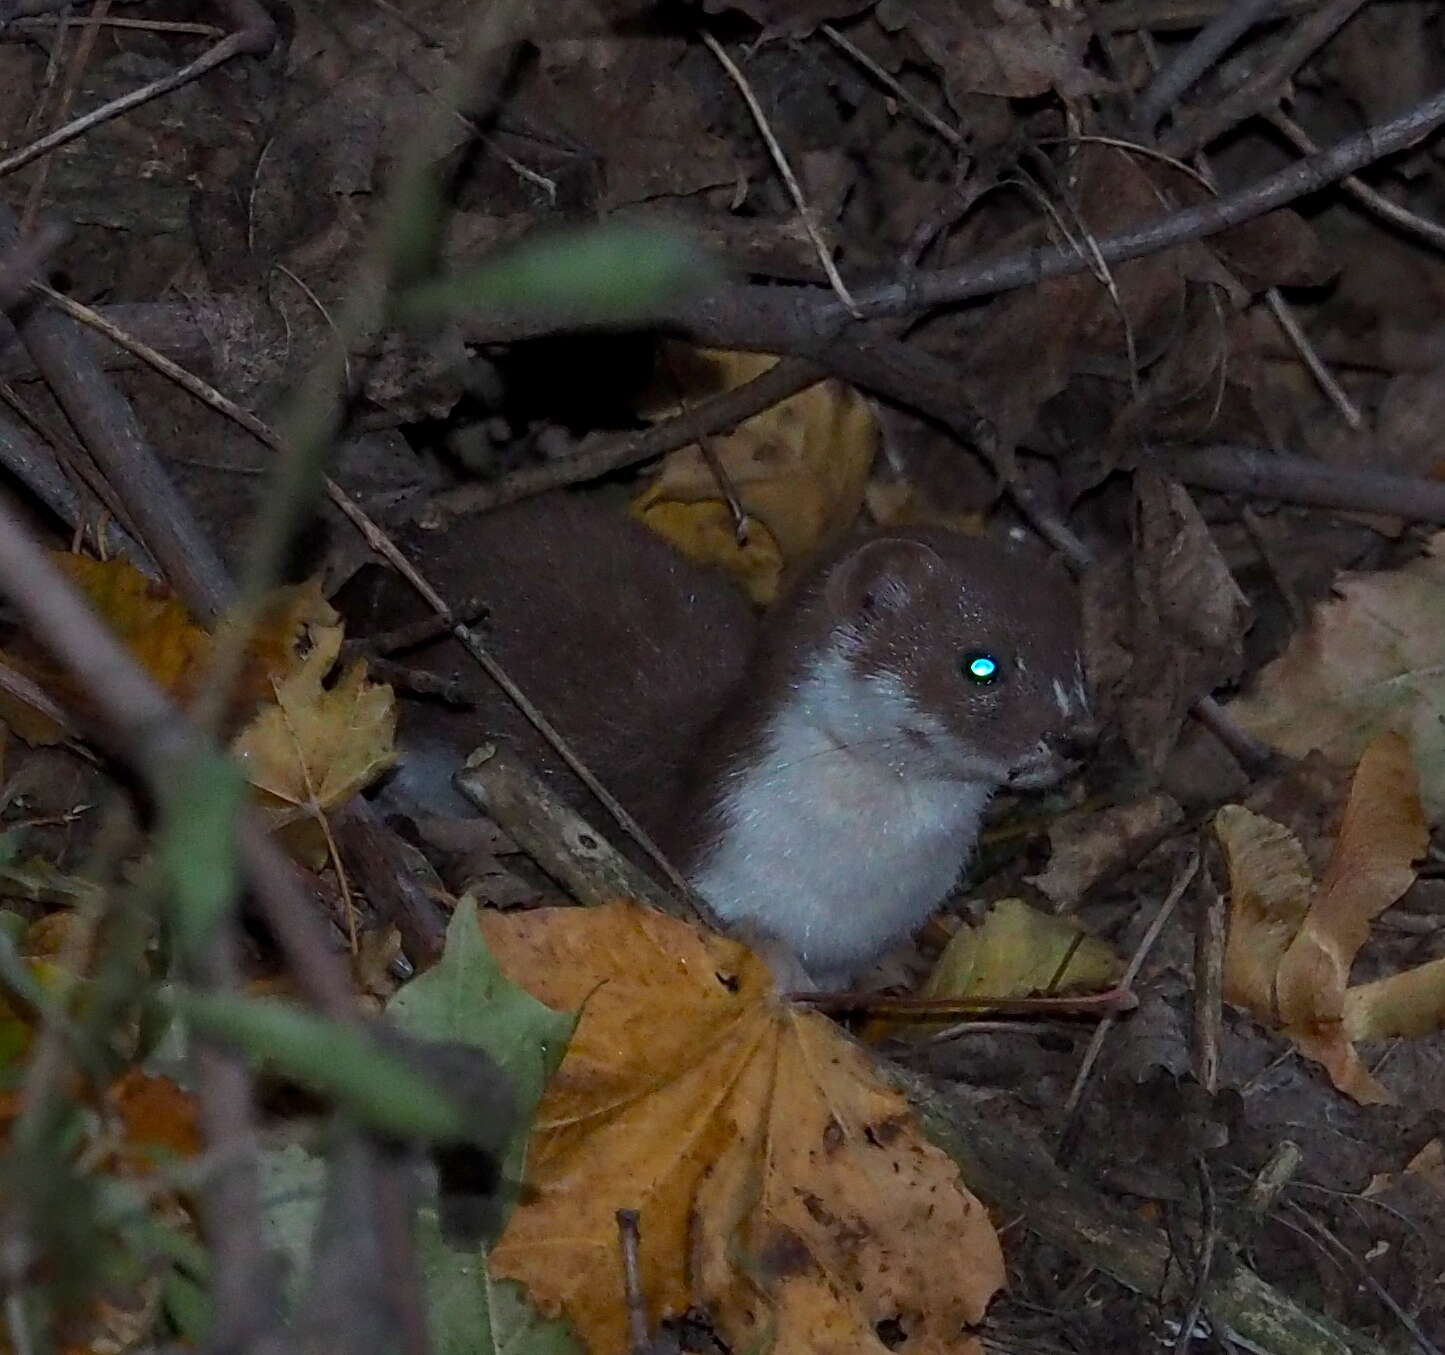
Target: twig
[805,213]
[1171,16]
[1211,928]
[178,26]
[1208,1241]
[1208,45]
[1254,473]
[1262,88]
[254,35]
[1294,332]
[919,109]
[1334,1246]
[1432,232]
[718,414]
[1075,1097]
[79,61]
[801,320]
[629,1239]
[1255,757]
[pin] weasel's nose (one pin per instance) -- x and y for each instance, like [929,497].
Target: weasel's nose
[1075,742]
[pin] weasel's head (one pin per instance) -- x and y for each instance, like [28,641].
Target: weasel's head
[949,656]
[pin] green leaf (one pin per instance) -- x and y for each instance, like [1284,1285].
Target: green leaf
[609,273]
[465,998]
[198,844]
[346,1063]
[469,1311]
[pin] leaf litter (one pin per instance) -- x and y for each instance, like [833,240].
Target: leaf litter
[1075,375]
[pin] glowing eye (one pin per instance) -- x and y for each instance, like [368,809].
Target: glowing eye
[981,668]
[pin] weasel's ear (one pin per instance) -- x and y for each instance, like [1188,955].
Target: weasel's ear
[880,576]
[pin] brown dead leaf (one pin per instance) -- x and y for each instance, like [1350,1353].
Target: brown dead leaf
[1372,658]
[159,1119]
[1090,846]
[780,1185]
[1291,946]
[1178,635]
[798,469]
[1005,47]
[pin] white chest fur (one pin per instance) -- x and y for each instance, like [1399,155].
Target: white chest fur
[833,840]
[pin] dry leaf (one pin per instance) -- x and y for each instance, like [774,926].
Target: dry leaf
[159,1119]
[780,1185]
[1270,886]
[798,470]
[317,746]
[1372,658]
[1017,951]
[1291,945]
[1382,833]
[36,696]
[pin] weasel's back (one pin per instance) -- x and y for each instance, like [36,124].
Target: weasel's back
[627,646]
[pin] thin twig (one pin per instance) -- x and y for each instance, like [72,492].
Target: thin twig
[629,1237]
[1432,232]
[1285,317]
[1333,1245]
[916,106]
[795,189]
[1208,1241]
[1075,1097]
[767,319]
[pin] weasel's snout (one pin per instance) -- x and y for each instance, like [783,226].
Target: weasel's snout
[1075,742]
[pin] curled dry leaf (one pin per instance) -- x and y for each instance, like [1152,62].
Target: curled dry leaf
[1270,884]
[798,470]
[1178,635]
[1291,944]
[780,1186]
[1372,658]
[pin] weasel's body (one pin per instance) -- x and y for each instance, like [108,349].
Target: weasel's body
[851,749]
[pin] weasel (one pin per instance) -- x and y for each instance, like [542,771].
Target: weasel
[819,779]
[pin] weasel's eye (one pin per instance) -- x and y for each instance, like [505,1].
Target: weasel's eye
[981,668]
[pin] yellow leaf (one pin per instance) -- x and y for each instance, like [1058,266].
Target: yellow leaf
[779,1184]
[146,617]
[36,697]
[317,746]
[798,470]
[1017,951]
